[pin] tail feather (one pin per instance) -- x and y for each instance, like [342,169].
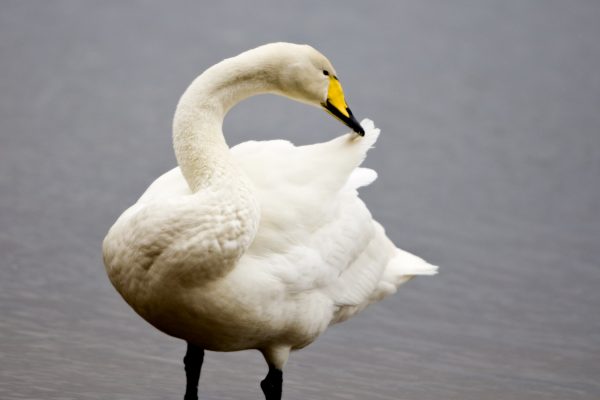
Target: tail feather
[405,263]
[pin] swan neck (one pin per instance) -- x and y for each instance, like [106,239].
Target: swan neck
[200,147]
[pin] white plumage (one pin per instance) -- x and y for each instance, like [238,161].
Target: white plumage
[264,245]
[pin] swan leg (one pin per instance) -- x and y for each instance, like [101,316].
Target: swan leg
[192,361]
[271,385]
[276,358]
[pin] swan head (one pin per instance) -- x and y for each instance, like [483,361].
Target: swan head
[306,75]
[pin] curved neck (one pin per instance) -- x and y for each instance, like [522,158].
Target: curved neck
[200,148]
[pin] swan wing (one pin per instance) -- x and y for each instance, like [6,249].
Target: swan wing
[315,235]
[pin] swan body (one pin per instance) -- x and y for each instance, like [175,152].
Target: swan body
[264,245]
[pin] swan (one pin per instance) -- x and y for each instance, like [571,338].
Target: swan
[263,245]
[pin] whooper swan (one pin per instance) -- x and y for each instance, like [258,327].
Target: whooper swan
[264,245]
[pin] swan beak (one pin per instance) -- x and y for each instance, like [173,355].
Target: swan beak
[336,106]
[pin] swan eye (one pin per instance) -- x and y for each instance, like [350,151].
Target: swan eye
[325,72]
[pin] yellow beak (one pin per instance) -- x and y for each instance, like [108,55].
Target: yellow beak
[336,106]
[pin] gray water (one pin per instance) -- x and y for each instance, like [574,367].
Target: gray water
[489,165]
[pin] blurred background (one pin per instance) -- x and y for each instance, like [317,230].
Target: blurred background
[489,165]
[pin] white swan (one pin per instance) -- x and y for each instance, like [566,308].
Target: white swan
[264,245]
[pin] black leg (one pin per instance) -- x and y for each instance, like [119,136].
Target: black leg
[271,385]
[193,363]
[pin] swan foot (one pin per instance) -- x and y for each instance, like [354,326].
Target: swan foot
[192,361]
[271,385]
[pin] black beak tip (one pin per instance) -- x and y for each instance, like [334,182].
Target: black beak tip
[359,130]
[354,124]
[349,120]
